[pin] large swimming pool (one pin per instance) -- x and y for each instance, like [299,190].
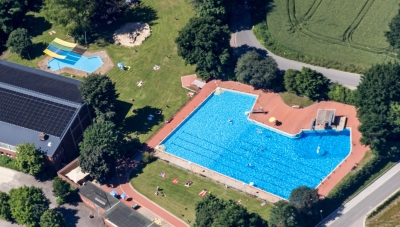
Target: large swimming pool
[76,61]
[249,152]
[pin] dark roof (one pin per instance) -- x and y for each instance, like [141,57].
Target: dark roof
[98,196]
[15,135]
[34,113]
[40,81]
[123,216]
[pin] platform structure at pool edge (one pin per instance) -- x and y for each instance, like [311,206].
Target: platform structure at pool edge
[252,149]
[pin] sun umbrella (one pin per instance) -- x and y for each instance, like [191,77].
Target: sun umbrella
[113,193]
[120,64]
[123,196]
[272,119]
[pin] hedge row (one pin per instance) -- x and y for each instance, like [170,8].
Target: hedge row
[384,204]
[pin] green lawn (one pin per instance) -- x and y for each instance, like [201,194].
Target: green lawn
[180,197]
[347,35]
[388,217]
[160,88]
[292,99]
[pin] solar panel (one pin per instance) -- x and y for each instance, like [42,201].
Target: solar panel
[34,113]
[40,81]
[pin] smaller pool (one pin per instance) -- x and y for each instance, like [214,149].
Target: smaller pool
[76,61]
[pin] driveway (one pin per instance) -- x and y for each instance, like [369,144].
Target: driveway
[75,215]
[242,34]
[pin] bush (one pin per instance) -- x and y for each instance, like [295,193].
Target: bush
[19,41]
[340,93]
[306,82]
[148,157]
[8,162]
[60,201]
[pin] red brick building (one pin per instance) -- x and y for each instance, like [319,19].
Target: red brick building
[41,108]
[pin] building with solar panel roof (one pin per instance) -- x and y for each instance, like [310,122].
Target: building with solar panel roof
[41,108]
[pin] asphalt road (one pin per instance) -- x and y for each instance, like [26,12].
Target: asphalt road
[242,34]
[354,212]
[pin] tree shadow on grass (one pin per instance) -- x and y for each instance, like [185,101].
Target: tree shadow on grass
[140,13]
[35,5]
[122,109]
[70,215]
[36,50]
[139,122]
[35,25]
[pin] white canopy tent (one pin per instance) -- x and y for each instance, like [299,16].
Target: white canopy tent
[76,174]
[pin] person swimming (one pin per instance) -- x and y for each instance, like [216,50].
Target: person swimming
[230,121]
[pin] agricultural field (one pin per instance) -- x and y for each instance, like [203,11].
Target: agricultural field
[347,35]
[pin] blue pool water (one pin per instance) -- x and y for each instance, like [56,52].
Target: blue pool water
[76,61]
[249,152]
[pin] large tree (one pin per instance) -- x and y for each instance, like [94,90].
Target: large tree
[214,212]
[258,71]
[306,200]
[52,218]
[204,42]
[304,197]
[61,188]
[19,41]
[28,159]
[376,99]
[285,214]
[393,35]
[78,16]
[99,91]
[306,82]
[214,8]
[99,149]
[11,14]
[5,206]
[73,15]
[27,204]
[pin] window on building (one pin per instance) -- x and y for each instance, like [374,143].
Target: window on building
[8,147]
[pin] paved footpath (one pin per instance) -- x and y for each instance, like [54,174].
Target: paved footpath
[148,208]
[354,212]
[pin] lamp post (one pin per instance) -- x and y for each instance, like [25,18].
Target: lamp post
[321,215]
[85,41]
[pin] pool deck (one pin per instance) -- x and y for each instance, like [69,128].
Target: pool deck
[292,121]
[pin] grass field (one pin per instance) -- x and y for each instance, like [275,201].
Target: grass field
[160,88]
[388,217]
[292,99]
[347,35]
[180,197]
